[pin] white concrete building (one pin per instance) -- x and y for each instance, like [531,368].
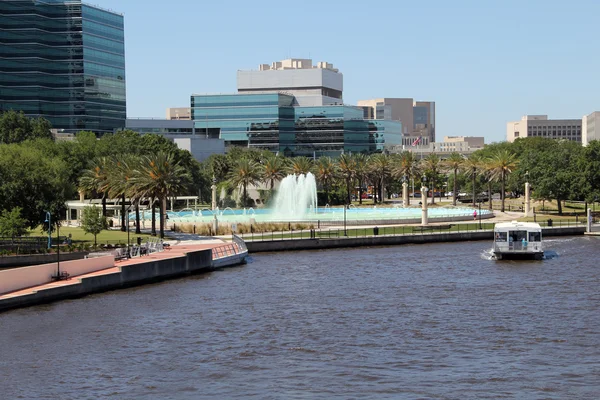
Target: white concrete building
[590,128]
[541,126]
[311,85]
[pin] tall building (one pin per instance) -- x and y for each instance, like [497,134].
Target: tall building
[424,119]
[271,121]
[295,108]
[541,126]
[310,85]
[65,61]
[417,117]
[590,128]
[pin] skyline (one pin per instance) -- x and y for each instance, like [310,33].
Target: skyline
[533,58]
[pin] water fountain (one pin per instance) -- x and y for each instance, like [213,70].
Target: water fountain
[296,197]
[296,200]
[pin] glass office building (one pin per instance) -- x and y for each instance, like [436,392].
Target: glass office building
[270,121]
[65,61]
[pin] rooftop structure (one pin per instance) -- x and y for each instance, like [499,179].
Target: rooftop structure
[310,85]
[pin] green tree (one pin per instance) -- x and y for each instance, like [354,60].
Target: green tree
[273,170]
[12,224]
[407,168]
[361,163]
[16,127]
[95,180]
[472,166]
[92,221]
[325,172]
[554,169]
[347,168]
[501,165]
[300,165]
[381,166]
[246,172]
[33,181]
[454,163]
[159,176]
[432,164]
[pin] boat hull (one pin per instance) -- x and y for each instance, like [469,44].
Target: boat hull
[519,255]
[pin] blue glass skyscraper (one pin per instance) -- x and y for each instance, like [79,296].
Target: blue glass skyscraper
[65,61]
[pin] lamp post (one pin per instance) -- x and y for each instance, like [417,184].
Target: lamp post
[405,199]
[479,204]
[48,220]
[345,231]
[527,195]
[424,217]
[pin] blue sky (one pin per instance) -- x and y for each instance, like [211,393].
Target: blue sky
[483,62]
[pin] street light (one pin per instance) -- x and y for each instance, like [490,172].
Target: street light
[345,231]
[48,220]
[479,203]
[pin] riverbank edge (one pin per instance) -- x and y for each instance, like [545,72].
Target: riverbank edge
[390,240]
[192,263]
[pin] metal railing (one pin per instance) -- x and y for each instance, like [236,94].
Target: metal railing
[238,246]
[357,232]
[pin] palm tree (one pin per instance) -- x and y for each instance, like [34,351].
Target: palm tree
[487,168]
[382,169]
[361,162]
[95,179]
[407,168]
[454,163]
[245,172]
[472,166]
[432,165]
[160,176]
[119,182]
[502,164]
[301,165]
[347,168]
[325,173]
[273,170]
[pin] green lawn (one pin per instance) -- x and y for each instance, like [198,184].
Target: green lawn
[108,236]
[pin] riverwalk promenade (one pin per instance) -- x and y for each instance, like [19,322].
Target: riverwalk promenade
[180,259]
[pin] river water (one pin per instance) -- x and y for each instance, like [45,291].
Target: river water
[437,321]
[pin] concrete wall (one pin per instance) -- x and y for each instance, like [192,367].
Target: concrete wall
[318,244]
[37,259]
[21,278]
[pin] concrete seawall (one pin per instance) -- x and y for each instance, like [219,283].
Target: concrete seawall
[388,240]
[139,273]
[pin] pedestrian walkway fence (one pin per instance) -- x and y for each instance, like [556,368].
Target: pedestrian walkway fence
[236,247]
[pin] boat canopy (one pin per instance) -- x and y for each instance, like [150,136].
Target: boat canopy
[514,225]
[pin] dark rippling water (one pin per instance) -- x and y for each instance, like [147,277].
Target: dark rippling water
[410,322]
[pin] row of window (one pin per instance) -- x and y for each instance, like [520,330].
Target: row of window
[103,30]
[102,16]
[104,58]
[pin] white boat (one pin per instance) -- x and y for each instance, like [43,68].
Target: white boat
[518,240]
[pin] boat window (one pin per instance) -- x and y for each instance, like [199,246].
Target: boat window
[535,237]
[517,236]
[501,236]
